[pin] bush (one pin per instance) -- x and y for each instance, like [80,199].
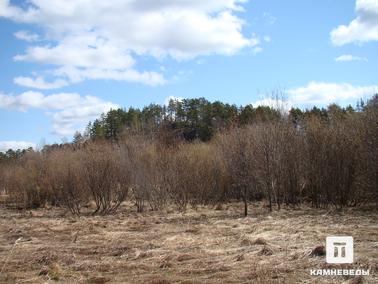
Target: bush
[105,176]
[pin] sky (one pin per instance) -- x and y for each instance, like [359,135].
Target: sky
[64,62]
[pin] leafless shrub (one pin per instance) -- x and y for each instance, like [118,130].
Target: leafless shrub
[369,173]
[65,180]
[333,157]
[26,182]
[236,148]
[146,172]
[104,177]
[195,175]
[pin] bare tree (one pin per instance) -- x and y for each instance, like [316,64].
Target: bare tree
[237,152]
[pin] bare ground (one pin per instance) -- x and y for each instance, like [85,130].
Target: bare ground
[198,246]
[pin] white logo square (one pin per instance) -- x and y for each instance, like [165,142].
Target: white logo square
[339,249]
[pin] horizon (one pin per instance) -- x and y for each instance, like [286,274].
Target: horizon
[68,62]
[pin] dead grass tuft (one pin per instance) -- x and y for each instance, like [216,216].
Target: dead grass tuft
[198,246]
[55,272]
[259,241]
[355,280]
[160,281]
[98,280]
[185,257]
[266,250]
[240,257]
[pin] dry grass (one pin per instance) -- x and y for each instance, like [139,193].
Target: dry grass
[202,246]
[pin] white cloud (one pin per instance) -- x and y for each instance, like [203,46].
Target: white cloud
[74,74]
[317,94]
[362,29]
[39,83]
[67,75]
[15,13]
[257,49]
[69,111]
[67,121]
[27,36]
[348,57]
[173,98]
[321,93]
[15,145]
[77,52]
[106,38]
[275,103]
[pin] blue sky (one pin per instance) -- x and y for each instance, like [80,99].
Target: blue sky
[63,63]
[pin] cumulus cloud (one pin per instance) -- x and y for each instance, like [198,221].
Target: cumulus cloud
[321,93]
[69,111]
[15,13]
[39,83]
[104,39]
[318,94]
[172,98]
[75,51]
[275,103]
[349,57]
[362,29]
[15,145]
[27,36]
[256,50]
[74,74]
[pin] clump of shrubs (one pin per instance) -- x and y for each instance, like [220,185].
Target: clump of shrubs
[285,161]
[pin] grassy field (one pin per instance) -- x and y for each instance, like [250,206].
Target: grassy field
[198,246]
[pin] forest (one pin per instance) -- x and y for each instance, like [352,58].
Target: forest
[194,152]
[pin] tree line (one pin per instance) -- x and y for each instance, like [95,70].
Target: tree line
[187,119]
[194,152]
